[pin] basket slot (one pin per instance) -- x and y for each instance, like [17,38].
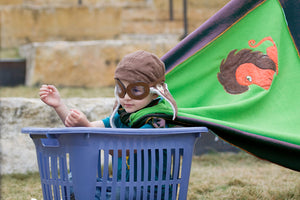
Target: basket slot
[161,174]
[152,170]
[114,173]
[64,166]
[144,176]
[139,172]
[130,162]
[54,174]
[123,173]
[181,151]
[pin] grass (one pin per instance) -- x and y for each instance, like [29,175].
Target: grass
[213,177]
[65,92]
[241,176]
[21,186]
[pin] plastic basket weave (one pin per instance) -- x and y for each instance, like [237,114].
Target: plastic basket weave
[151,163]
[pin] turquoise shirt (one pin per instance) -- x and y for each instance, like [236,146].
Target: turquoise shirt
[119,124]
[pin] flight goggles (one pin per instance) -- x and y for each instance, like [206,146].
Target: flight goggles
[137,90]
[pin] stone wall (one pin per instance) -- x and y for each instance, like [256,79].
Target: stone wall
[67,2]
[17,150]
[26,24]
[27,21]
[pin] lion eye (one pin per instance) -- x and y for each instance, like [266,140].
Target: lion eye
[249,78]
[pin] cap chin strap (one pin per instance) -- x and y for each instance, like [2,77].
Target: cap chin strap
[156,91]
[112,117]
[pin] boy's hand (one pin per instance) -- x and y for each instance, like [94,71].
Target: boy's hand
[50,95]
[76,118]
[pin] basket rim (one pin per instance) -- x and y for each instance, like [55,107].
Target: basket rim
[114,131]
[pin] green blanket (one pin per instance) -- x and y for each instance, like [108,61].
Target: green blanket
[238,73]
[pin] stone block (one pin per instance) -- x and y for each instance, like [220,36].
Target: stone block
[10,2]
[17,150]
[88,64]
[23,25]
[149,21]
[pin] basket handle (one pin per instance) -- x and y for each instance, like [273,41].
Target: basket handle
[50,141]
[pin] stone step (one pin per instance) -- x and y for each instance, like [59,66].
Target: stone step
[72,2]
[26,24]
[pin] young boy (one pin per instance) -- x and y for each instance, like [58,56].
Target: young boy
[139,81]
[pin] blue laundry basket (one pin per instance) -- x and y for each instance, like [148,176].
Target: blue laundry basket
[151,163]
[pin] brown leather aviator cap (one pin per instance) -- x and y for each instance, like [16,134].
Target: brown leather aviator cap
[141,66]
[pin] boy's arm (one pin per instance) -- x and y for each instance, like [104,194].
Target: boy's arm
[62,111]
[77,118]
[71,118]
[50,96]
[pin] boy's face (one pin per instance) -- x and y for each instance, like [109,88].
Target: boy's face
[132,105]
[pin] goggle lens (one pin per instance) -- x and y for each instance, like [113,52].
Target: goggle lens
[138,90]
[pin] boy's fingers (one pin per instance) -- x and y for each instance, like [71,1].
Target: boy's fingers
[43,92]
[43,96]
[67,124]
[76,111]
[72,113]
[73,116]
[68,121]
[52,87]
[44,86]
[44,89]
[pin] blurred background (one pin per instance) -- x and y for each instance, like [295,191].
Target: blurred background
[76,45]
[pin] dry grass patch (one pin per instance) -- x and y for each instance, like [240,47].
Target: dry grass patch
[241,176]
[213,177]
[21,187]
